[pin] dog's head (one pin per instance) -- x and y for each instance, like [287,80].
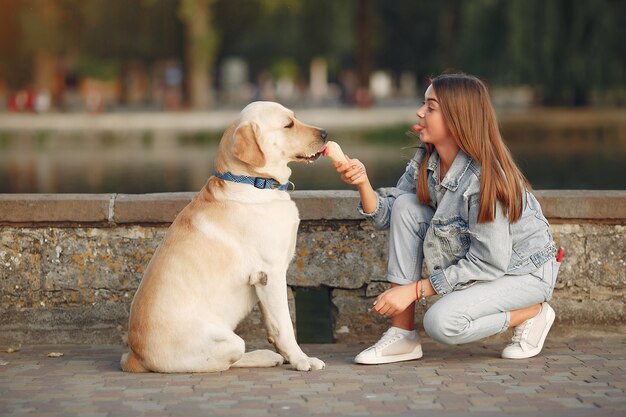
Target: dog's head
[264,139]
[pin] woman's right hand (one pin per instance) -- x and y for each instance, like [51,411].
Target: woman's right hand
[352,172]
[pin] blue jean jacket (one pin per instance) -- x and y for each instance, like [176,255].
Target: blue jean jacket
[458,250]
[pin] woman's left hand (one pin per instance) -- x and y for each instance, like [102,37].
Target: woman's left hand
[395,300]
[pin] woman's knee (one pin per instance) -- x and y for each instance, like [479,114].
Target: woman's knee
[446,327]
[407,210]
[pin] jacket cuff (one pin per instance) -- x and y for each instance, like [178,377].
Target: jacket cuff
[373,215]
[440,282]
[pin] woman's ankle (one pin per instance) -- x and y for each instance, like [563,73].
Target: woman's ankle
[406,319]
[520,316]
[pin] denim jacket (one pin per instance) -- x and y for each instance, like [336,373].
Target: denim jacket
[458,250]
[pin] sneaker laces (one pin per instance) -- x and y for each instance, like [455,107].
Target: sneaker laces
[521,331]
[389,337]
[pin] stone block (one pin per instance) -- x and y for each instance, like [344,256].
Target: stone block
[150,208]
[20,267]
[579,308]
[572,238]
[606,249]
[354,322]
[327,205]
[96,323]
[54,208]
[338,254]
[583,204]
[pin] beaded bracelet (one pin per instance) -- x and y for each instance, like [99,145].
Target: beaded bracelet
[420,293]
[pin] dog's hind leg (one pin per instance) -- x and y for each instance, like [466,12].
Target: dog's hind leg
[213,349]
[263,358]
[131,363]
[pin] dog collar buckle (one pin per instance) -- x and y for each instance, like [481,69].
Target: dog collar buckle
[261,183]
[257,182]
[264,183]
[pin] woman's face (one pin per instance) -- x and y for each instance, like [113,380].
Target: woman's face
[431,127]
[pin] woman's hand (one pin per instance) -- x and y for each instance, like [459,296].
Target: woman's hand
[352,172]
[395,300]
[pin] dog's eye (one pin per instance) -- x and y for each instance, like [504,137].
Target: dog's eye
[290,125]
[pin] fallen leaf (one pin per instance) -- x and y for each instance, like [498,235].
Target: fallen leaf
[13,349]
[55,354]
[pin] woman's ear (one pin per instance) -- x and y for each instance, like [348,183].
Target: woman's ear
[246,145]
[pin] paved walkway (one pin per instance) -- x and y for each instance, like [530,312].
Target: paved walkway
[573,377]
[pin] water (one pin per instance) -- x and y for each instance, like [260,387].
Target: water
[563,150]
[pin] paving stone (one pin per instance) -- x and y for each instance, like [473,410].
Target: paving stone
[573,377]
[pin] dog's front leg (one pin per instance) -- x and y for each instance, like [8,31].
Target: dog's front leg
[272,293]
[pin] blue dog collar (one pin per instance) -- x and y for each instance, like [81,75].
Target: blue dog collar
[258,182]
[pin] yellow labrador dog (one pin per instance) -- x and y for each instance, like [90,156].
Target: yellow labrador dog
[227,250]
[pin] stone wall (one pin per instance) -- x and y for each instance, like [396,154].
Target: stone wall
[70,264]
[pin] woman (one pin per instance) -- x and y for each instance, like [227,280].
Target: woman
[464,208]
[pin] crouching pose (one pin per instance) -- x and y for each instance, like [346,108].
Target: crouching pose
[463,207]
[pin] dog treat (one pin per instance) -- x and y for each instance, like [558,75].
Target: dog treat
[333,151]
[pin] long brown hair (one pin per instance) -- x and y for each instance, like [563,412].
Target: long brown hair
[469,115]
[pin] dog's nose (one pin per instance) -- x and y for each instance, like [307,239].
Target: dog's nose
[323,134]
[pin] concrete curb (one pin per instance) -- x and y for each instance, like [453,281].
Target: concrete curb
[571,205]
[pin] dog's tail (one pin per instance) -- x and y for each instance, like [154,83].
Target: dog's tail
[131,363]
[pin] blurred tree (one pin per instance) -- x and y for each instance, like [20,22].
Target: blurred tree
[12,68]
[140,29]
[407,37]
[568,48]
[482,40]
[364,19]
[47,30]
[201,43]
[266,31]
[449,24]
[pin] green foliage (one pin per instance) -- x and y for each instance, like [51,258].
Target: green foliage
[202,36]
[101,69]
[567,50]
[285,67]
[265,32]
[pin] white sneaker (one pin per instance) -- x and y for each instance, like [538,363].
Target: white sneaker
[529,336]
[395,345]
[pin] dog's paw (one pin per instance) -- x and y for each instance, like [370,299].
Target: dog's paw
[316,364]
[308,364]
[278,359]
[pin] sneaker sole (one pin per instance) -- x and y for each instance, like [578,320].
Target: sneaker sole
[415,354]
[534,352]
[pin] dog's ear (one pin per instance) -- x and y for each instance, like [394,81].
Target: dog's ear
[246,147]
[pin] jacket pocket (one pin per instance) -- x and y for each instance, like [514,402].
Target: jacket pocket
[530,234]
[453,234]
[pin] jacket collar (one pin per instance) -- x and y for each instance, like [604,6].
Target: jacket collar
[459,167]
